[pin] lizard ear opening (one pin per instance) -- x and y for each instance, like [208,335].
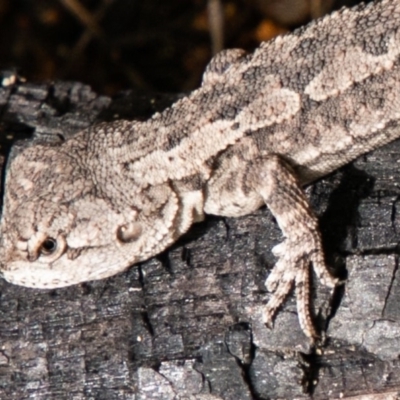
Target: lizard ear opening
[129,232]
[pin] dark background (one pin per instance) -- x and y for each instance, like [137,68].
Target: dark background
[149,45]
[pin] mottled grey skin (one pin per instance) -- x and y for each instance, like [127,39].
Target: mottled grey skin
[261,126]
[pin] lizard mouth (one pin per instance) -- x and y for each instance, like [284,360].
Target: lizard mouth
[44,280]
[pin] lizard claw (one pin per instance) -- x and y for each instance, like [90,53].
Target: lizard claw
[293,270]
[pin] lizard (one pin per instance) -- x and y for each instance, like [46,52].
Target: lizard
[261,126]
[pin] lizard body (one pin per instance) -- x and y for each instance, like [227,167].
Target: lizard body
[260,127]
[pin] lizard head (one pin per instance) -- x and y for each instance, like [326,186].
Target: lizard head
[56,229]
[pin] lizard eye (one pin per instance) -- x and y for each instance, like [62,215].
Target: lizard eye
[48,247]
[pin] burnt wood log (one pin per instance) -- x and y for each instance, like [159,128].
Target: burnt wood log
[186,324]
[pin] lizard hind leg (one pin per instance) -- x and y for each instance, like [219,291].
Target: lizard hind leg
[275,181]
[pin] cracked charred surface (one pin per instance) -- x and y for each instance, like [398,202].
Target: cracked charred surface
[188,322]
[260,127]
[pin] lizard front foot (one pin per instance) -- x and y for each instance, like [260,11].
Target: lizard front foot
[302,249]
[293,270]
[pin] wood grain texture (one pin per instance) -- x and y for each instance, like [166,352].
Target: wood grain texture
[185,323]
